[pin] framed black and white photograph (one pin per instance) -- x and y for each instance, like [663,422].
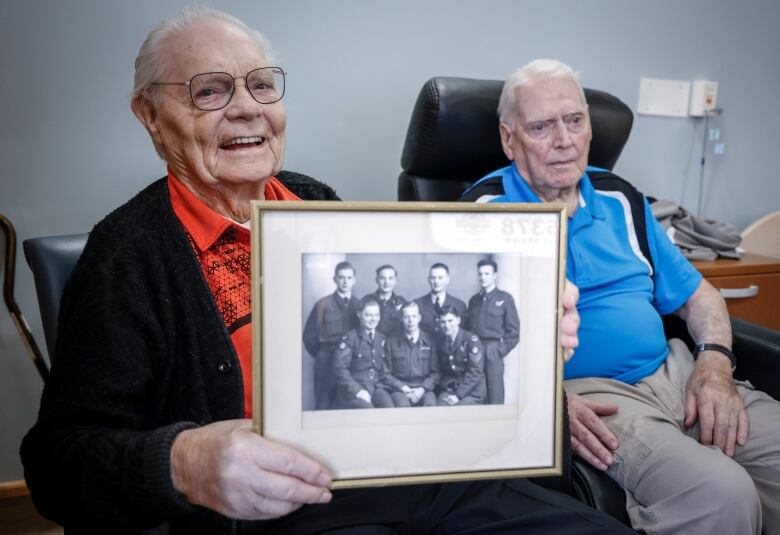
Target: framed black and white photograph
[410,342]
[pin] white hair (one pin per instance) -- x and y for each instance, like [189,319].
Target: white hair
[527,75]
[154,61]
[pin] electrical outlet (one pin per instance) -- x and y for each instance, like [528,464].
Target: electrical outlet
[704,98]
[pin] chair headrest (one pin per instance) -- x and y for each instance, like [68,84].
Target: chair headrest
[453,132]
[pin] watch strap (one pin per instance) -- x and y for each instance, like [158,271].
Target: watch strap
[715,347]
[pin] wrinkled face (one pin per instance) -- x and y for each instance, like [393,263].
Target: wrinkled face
[487,277]
[439,279]
[550,139]
[369,317]
[345,280]
[240,144]
[386,280]
[449,324]
[410,318]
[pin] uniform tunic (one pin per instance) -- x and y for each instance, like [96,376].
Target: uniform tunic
[493,317]
[360,363]
[390,314]
[330,318]
[412,364]
[430,311]
[461,364]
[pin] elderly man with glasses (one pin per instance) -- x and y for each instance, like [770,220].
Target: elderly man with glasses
[144,419]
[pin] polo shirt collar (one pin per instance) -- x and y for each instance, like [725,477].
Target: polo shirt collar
[202,223]
[518,190]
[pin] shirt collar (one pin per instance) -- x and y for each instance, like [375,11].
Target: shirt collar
[518,190]
[204,224]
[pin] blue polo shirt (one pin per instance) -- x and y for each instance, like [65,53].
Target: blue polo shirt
[621,298]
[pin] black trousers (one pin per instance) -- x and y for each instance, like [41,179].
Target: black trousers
[480,507]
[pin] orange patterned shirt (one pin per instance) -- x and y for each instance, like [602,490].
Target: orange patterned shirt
[222,248]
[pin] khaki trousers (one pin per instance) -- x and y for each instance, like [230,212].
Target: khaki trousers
[673,483]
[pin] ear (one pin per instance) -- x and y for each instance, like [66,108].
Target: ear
[506,140]
[144,110]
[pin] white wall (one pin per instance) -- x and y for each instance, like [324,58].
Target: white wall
[71,150]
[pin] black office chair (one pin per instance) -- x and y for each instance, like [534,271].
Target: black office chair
[453,140]
[453,137]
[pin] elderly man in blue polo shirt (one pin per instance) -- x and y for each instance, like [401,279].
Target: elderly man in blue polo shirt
[695,450]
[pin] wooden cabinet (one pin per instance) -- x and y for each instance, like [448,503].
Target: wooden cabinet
[751,286]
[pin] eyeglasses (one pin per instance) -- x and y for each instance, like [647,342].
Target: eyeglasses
[213,90]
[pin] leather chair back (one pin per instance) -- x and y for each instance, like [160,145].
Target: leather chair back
[453,138]
[51,259]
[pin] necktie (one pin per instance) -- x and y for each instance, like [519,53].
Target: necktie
[346,301]
[437,304]
[371,337]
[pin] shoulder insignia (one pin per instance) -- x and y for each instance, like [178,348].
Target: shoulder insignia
[474,338]
[499,303]
[475,350]
[398,306]
[342,345]
[382,343]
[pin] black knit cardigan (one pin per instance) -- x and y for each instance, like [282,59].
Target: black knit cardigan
[142,354]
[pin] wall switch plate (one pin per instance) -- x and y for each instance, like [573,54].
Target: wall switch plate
[704,97]
[668,98]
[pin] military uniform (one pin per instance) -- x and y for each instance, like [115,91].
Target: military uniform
[412,364]
[493,317]
[461,364]
[390,314]
[360,363]
[430,311]
[330,318]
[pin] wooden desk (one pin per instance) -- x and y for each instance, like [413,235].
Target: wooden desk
[751,286]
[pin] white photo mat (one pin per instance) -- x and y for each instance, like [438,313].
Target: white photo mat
[420,444]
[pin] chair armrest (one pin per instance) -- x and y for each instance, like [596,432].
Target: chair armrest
[757,350]
[595,488]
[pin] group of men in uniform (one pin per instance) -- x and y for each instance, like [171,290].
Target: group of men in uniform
[385,351]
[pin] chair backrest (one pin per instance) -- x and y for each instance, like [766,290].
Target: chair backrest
[51,259]
[763,236]
[453,137]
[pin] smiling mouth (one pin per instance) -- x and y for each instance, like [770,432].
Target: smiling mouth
[243,143]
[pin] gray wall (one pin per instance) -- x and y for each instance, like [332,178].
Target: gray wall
[71,150]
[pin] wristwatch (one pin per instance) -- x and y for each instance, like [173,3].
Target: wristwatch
[716,347]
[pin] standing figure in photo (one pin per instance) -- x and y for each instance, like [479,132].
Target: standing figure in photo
[493,317]
[431,304]
[461,362]
[390,303]
[331,317]
[360,362]
[414,366]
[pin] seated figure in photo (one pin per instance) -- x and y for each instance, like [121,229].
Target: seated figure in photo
[414,366]
[492,316]
[432,303]
[461,362]
[696,451]
[330,318]
[360,362]
[390,303]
